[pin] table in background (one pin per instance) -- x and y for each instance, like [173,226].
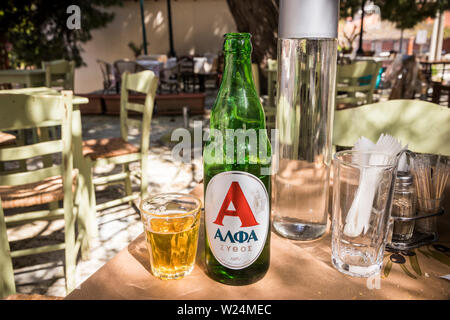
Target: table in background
[30,78]
[298,270]
[203,70]
[153,65]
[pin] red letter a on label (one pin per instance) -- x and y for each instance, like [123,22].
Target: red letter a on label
[243,210]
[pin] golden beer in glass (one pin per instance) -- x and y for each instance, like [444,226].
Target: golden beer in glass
[171,223]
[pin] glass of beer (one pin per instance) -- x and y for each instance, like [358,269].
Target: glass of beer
[171,223]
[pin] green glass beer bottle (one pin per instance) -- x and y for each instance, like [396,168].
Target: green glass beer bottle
[237,160]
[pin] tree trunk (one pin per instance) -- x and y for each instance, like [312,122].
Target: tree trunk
[260,18]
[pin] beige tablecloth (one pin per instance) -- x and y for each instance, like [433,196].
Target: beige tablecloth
[298,270]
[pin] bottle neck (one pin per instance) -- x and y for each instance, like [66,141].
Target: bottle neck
[238,69]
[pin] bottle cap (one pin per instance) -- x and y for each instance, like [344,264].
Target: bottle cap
[308,19]
[404,178]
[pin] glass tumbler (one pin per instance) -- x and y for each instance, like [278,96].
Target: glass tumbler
[363,185]
[171,223]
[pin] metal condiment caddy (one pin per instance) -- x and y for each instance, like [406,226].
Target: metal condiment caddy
[402,220]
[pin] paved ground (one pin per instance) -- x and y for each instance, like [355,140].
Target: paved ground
[118,226]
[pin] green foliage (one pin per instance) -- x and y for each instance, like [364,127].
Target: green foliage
[405,14]
[36,30]
[348,8]
[137,51]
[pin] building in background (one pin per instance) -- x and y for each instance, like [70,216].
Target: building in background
[382,36]
[198,28]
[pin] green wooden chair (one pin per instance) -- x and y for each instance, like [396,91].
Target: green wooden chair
[40,187]
[119,150]
[424,126]
[356,83]
[270,108]
[271,82]
[255,76]
[59,73]
[6,139]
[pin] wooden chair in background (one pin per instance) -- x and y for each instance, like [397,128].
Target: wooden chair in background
[59,73]
[124,65]
[7,140]
[186,73]
[41,187]
[118,150]
[270,107]
[169,79]
[271,82]
[110,76]
[255,76]
[356,83]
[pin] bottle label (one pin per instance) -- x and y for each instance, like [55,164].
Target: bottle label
[236,218]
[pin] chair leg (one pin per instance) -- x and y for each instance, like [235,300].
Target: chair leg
[7,285]
[144,177]
[53,205]
[128,190]
[69,235]
[82,224]
[87,202]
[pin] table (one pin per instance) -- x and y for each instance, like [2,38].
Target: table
[77,140]
[153,65]
[202,69]
[30,78]
[298,270]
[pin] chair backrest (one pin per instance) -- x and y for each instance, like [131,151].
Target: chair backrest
[255,76]
[360,76]
[109,77]
[272,64]
[171,62]
[424,126]
[143,82]
[271,81]
[59,73]
[108,74]
[125,65]
[186,64]
[169,73]
[19,111]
